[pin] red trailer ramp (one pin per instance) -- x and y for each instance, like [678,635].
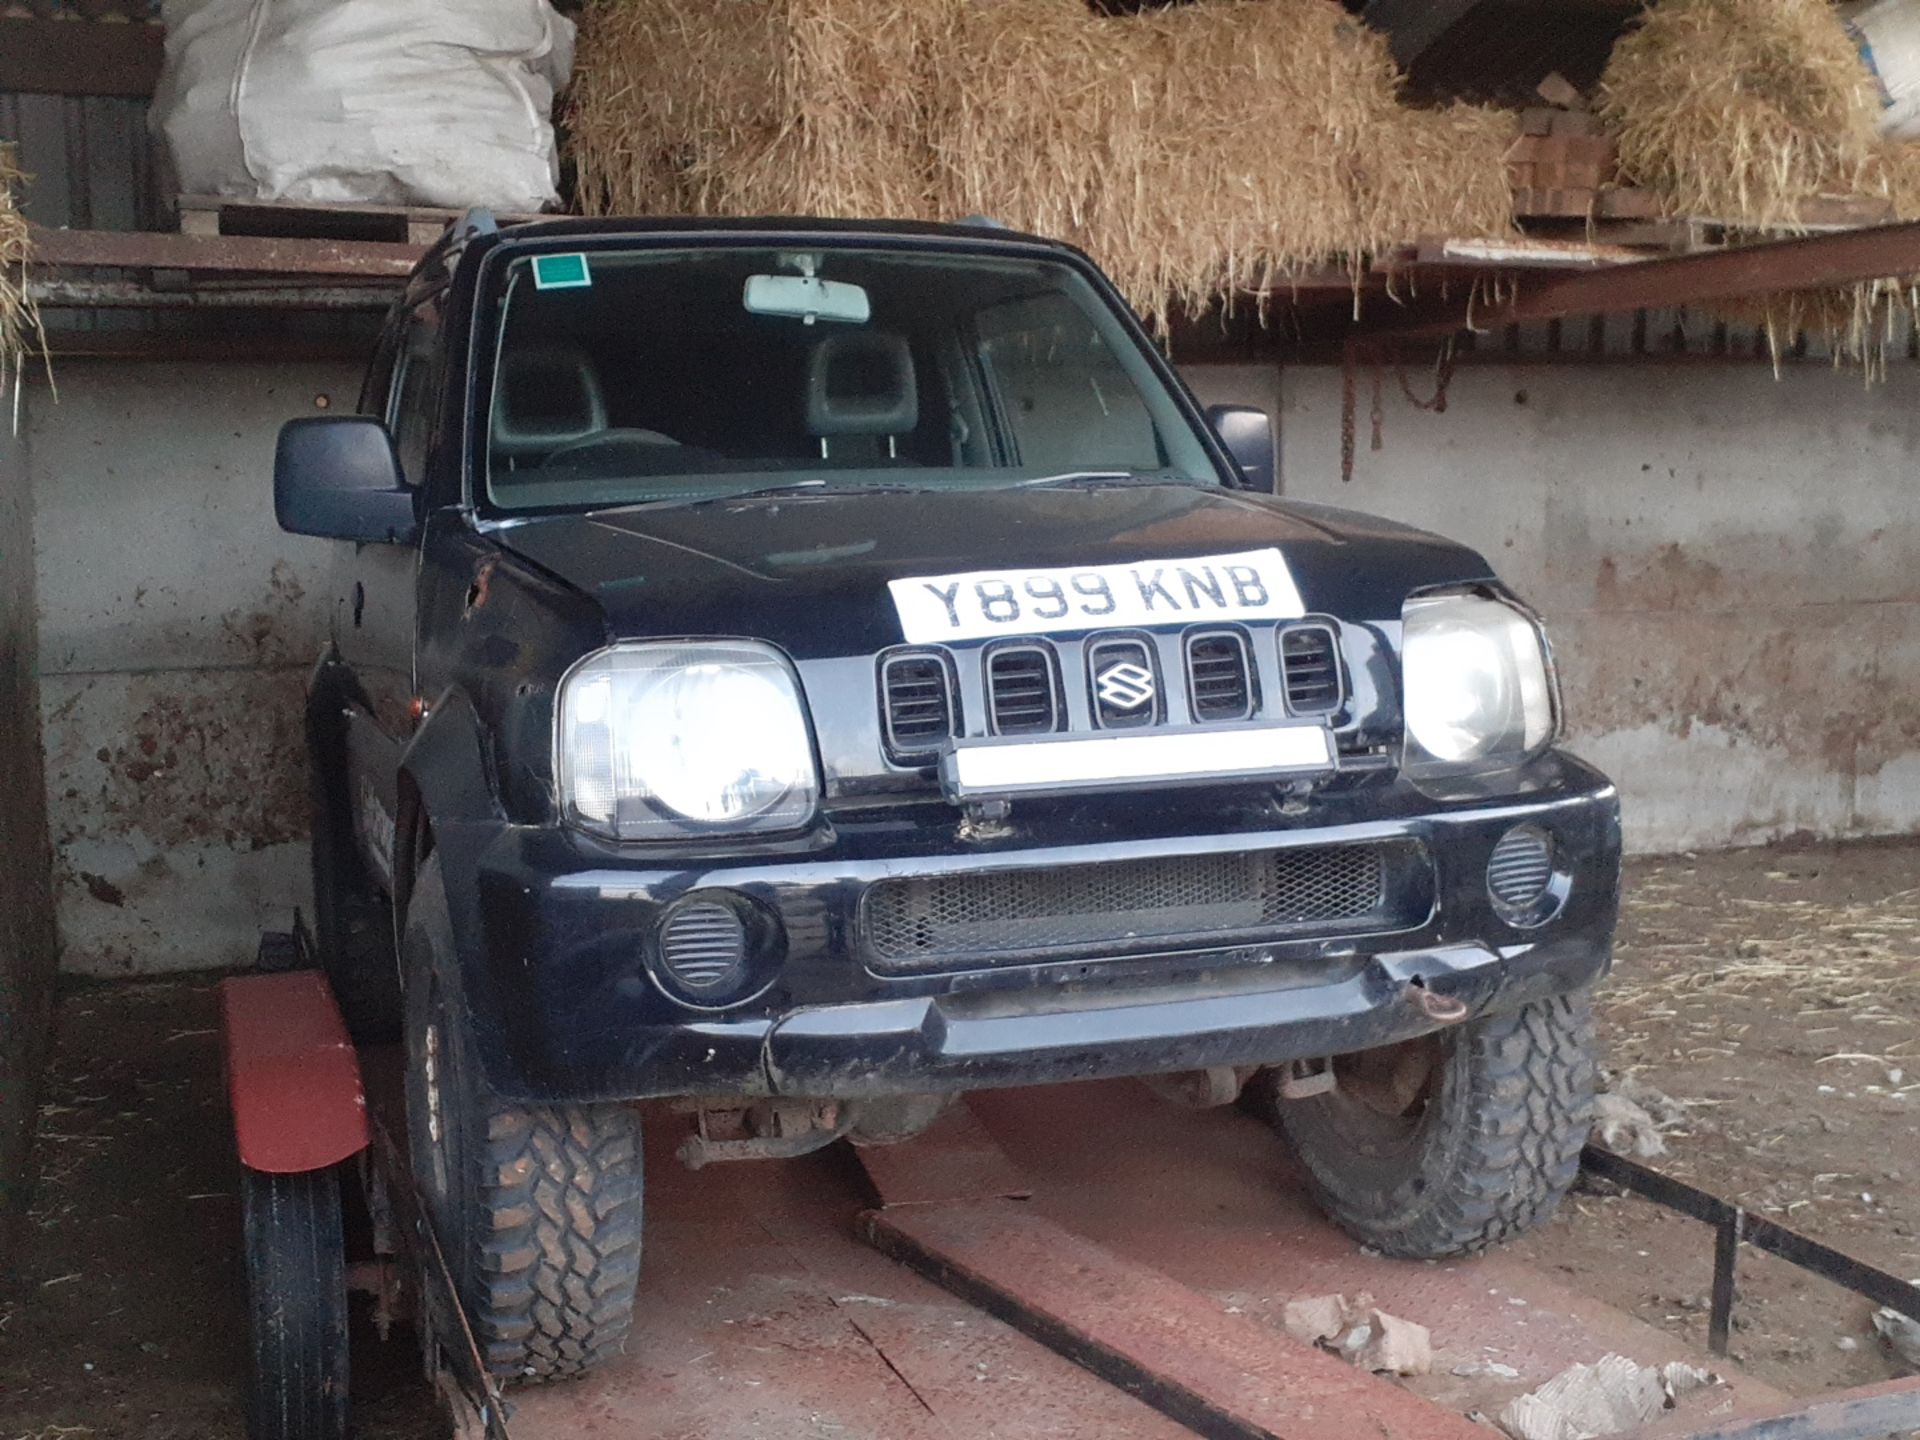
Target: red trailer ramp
[763,1316]
[1156,1251]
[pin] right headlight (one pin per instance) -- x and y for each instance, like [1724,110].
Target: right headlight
[1478,690]
[659,739]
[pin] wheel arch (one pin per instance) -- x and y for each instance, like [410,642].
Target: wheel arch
[448,807]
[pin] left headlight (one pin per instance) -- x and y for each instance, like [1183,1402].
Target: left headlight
[1478,690]
[661,739]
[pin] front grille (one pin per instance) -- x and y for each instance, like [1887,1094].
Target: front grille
[1310,661]
[931,922]
[1219,679]
[917,708]
[1125,683]
[1022,697]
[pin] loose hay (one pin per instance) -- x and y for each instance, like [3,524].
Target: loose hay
[20,332]
[1219,147]
[1742,110]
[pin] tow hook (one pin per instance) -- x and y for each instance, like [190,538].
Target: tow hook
[763,1130]
[1303,1079]
[1441,1009]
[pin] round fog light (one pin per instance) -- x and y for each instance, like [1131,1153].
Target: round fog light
[703,948]
[1522,879]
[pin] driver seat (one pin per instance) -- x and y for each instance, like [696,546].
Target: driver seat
[545,397]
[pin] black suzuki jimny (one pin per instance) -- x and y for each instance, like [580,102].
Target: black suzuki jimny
[809,670]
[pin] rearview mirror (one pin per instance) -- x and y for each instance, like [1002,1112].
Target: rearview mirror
[337,477]
[805,297]
[1247,434]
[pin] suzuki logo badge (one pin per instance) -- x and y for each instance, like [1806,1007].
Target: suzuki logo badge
[1124,686]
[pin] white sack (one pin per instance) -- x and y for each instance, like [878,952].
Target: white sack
[395,102]
[1888,34]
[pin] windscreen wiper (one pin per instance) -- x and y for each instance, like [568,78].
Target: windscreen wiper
[1100,477]
[662,502]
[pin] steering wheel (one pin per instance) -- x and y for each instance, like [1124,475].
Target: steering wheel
[610,443]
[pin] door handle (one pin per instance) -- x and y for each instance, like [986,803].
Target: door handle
[359,603]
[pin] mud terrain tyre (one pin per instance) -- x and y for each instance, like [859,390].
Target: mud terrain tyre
[1453,1143]
[296,1269]
[352,920]
[537,1207]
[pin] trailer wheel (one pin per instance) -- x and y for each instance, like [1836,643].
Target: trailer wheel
[352,920]
[296,1306]
[1450,1144]
[538,1207]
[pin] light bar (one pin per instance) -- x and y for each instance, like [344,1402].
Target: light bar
[1184,757]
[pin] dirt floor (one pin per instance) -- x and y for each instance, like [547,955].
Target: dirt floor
[1770,1002]
[1766,1007]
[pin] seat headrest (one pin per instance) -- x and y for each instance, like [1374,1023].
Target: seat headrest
[546,397]
[861,383]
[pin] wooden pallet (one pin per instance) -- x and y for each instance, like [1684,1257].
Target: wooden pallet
[279,219]
[1565,174]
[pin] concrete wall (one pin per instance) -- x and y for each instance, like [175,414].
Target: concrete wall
[1730,566]
[27,950]
[177,625]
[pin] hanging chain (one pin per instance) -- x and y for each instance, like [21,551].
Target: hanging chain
[1348,401]
[1378,357]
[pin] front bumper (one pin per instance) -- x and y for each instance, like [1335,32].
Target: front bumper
[567,1009]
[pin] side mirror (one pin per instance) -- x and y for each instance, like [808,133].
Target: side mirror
[1247,434]
[337,477]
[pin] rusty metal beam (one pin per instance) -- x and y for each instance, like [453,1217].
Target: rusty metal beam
[1843,258]
[125,295]
[222,254]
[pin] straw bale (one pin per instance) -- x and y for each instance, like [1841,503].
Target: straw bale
[1216,147]
[1741,110]
[20,333]
[749,107]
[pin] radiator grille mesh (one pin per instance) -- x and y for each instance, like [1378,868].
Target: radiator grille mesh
[923,921]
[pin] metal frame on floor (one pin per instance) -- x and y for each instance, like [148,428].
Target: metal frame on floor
[1733,1224]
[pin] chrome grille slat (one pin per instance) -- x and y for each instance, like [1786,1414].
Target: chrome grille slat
[1022,698]
[1219,676]
[917,706]
[1310,662]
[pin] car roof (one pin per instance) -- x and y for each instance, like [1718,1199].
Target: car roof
[478,232]
[974,228]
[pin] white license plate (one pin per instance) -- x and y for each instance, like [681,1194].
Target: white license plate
[1251,585]
[1102,761]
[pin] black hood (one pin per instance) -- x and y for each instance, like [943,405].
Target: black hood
[810,572]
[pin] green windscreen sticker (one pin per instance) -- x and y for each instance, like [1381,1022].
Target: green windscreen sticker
[560,272]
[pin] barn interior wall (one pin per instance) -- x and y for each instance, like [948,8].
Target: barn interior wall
[27,947]
[1727,564]
[1730,565]
[177,626]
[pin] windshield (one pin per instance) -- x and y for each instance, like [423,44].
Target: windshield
[661,375]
